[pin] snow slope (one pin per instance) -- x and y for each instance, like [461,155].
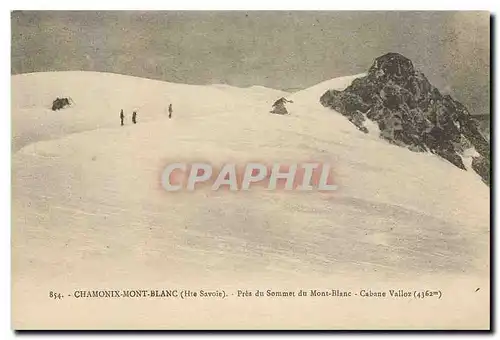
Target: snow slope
[87,205]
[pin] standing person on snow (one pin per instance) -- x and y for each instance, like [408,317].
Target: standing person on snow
[134,117]
[170,111]
[122,116]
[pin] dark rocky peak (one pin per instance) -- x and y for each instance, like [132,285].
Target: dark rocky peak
[411,112]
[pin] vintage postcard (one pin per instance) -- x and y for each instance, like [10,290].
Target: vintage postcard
[250,170]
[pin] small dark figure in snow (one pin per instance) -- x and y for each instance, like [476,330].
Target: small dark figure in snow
[122,116]
[134,117]
[279,106]
[170,111]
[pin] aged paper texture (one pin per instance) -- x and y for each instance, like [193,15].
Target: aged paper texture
[250,170]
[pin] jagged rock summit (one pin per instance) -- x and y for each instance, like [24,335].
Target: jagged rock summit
[412,113]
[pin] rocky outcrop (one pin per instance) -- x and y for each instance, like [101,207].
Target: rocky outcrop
[411,112]
[60,103]
[279,106]
[481,165]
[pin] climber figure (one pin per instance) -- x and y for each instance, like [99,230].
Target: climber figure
[134,117]
[122,116]
[170,111]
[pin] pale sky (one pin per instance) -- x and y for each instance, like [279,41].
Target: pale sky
[282,50]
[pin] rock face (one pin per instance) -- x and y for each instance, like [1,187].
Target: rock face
[412,113]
